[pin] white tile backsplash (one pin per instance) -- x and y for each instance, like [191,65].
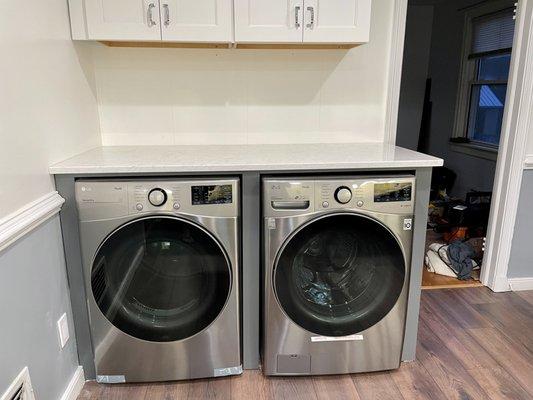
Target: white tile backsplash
[219,96]
[135,102]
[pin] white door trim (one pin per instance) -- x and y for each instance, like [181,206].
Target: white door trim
[517,123]
[512,160]
[24,220]
[528,164]
[399,21]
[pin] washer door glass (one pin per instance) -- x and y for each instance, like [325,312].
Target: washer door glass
[161,279]
[339,275]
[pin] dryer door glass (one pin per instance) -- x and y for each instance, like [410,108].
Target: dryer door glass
[161,279]
[339,275]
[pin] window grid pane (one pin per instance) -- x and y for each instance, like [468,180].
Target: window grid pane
[487,103]
[494,68]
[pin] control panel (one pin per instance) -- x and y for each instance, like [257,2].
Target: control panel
[303,195]
[98,199]
[392,192]
[212,194]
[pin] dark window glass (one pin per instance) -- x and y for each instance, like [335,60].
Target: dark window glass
[339,275]
[494,68]
[487,105]
[161,279]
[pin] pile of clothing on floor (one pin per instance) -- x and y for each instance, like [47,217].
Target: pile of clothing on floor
[455,259]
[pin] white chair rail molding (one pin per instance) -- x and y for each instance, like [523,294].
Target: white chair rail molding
[28,217]
[229,22]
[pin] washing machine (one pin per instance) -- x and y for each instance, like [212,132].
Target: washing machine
[161,268]
[337,254]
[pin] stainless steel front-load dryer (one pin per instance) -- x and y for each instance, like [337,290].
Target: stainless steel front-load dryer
[161,267]
[336,272]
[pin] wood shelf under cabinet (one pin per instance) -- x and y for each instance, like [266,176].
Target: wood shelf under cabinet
[431,280]
[243,46]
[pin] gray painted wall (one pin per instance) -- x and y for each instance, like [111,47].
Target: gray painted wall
[414,74]
[444,70]
[521,261]
[33,295]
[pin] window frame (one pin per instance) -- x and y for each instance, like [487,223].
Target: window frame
[468,79]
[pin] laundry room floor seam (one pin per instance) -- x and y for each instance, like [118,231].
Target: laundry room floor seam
[473,344]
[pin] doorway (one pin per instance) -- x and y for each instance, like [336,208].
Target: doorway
[457,60]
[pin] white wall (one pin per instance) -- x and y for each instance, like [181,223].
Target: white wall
[48,111]
[47,98]
[197,96]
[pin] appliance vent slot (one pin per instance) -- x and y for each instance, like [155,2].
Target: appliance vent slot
[19,395]
[20,388]
[98,282]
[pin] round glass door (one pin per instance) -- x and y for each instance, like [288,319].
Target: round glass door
[161,279]
[339,275]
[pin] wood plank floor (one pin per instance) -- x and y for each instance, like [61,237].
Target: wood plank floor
[473,344]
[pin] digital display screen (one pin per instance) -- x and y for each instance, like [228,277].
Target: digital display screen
[389,192]
[216,194]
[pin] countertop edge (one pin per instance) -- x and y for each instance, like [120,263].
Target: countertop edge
[59,170]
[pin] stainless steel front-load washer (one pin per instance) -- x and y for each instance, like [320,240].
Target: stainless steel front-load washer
[336,270]
[161,268]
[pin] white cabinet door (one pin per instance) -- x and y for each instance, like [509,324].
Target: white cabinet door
[268,21]
[123,20]
[197,20]
[337,21]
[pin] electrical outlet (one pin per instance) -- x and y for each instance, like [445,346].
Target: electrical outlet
[62,327]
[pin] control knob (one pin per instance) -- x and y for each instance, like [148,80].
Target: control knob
[157,197]
[343,195]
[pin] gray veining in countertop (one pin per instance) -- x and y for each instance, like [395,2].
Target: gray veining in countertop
[235,158]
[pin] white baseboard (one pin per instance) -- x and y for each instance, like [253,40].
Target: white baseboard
[75,385]
[24,220]
[518,284]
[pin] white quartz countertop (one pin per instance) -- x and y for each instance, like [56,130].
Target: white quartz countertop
[235,158]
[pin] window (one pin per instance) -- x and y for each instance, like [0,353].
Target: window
[485,70]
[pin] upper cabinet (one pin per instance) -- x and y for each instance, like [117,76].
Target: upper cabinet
[302,21]
[222,21]
[122,19]
[196,20]
[271,21]
[337,21]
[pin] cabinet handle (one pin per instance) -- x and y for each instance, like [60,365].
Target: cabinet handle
[297,16]
[150,16]
[311,23]
[166,12]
